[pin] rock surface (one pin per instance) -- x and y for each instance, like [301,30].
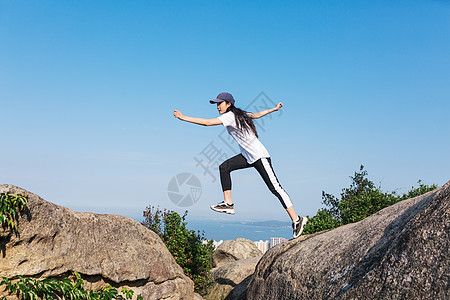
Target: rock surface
[235,262]
[231,279]
[233,250]
[401,252]
[104,249]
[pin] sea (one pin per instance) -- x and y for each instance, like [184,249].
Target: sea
[220,229]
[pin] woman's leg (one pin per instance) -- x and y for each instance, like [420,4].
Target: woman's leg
[227,196]
[235,163]
[265,169]
[292,213]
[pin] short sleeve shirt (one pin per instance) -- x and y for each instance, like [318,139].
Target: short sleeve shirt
[251,148]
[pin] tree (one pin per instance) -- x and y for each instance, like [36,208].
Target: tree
[357,202]
[186,246]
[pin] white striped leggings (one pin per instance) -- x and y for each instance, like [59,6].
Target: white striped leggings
[264,168]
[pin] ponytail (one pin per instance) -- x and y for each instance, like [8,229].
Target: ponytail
[243,120]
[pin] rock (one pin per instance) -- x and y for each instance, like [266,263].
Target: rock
[233,250]
[235,262]
[401,252]
[104,249]
[231,279]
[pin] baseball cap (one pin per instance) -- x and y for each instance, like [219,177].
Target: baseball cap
[223,97]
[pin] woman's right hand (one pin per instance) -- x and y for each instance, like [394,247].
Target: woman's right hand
[278,106]
[177,114]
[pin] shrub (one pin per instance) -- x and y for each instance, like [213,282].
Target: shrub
[51,288]
[186,246]
[357,202]
[10,206]
[414,192]
[321,221]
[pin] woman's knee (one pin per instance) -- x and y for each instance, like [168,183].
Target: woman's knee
[223,167]
[275,191]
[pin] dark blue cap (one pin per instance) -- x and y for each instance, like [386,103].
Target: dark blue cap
[223,97]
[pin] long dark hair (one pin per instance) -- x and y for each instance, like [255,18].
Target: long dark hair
[243,120]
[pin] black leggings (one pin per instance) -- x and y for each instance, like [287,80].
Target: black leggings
[264,168]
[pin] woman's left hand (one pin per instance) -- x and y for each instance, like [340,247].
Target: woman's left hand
[177,114]
[278,106]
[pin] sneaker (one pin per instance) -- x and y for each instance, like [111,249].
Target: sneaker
[298,226]
[223,207]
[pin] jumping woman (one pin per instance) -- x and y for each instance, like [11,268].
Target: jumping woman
[240,126]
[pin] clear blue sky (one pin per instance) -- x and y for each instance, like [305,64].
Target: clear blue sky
[88,89]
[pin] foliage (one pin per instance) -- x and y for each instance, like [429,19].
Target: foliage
[357,202]
[186,246]
[321,221]
[10,206]
[52,288]
[414,192]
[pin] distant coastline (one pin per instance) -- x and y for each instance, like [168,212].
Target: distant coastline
[221,229]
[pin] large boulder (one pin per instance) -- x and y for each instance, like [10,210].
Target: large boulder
[105,249]
[231,279]
[401,252]
[233,250]
[235,262]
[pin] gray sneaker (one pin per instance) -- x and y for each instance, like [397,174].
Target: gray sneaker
[298,226]
[223,207]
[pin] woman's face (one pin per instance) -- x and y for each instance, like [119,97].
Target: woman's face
[223,106]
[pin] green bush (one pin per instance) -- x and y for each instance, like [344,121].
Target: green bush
[186,246]
[357,202]
[51,288]
[10,206]
[321,221]
[414,192]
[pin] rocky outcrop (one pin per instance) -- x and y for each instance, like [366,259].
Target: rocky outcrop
[401,252]
[233,250]
[235,261]
[231,279]
[104,249]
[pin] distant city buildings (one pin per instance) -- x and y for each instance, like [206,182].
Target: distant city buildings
[276,240]
[261,245]
[266,245]
[217,244]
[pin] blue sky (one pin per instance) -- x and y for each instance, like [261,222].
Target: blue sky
[88,89]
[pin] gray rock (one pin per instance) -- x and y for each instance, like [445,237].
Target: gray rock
[235,262]
[233,250]
[104,249]
[231,279]
[401,252]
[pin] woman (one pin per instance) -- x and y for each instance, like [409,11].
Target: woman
[240,126]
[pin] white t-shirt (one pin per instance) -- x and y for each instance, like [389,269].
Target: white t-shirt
[251,148]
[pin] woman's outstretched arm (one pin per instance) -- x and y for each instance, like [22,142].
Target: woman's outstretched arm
[267,111]
[200,121]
